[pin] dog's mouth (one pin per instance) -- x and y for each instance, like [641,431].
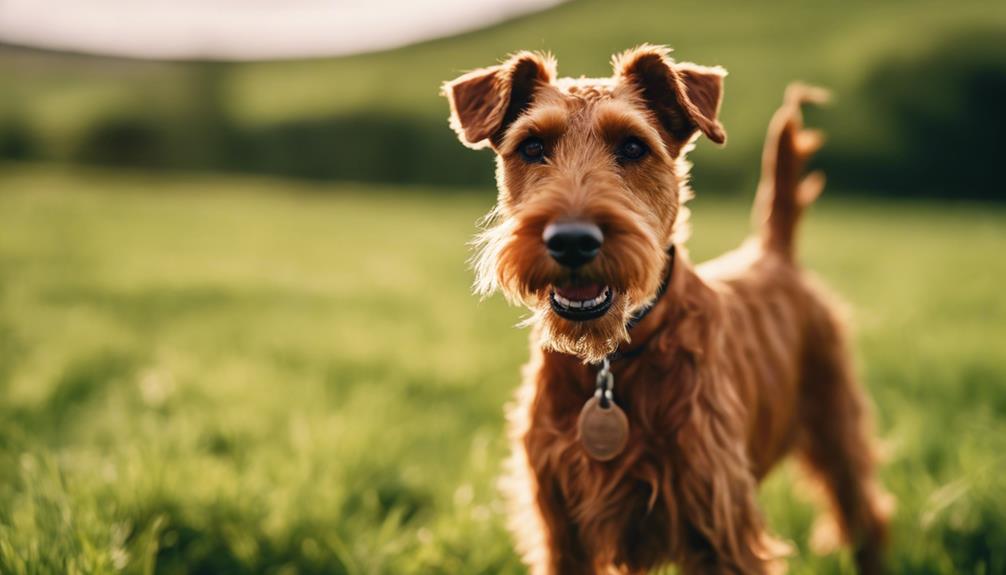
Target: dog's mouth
[581,302]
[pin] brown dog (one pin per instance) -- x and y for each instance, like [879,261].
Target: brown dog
[716,372]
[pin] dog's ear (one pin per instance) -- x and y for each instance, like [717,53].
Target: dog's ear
[684,97]
[486,101]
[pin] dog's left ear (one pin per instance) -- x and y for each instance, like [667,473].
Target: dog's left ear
[486,101]
[685,97]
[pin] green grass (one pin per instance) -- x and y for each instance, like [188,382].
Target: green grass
[215,375]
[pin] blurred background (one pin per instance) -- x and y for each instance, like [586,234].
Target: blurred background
[236,330]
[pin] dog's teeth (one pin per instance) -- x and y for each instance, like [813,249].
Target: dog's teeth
[596,301]
[582,304]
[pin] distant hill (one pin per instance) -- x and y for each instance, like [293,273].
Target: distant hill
[913,80]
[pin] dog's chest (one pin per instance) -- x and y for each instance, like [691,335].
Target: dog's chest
[624,508]
[629,497]
[654,412]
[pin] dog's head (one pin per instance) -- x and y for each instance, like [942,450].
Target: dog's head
[591,176]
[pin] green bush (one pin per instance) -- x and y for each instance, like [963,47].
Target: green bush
[939,124]
[16,140]
[127,141]
[363,147]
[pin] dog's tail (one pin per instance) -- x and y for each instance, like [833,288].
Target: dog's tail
[784,191]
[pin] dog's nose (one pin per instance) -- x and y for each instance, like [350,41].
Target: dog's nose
[573,243]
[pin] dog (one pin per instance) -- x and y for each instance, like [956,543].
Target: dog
[658,393]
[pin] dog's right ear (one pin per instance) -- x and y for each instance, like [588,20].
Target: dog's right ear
[486,101]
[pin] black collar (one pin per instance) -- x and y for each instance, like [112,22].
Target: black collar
[640,315]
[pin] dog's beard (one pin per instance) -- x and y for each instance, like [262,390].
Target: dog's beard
[589,340]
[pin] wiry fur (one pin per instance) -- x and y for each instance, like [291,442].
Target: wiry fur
[741,361]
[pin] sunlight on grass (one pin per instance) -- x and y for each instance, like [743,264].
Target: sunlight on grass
[246,376]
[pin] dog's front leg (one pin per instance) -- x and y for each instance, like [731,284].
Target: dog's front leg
[539,519]
[564,552]
[723,531]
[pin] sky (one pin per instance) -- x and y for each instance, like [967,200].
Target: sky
[244,29]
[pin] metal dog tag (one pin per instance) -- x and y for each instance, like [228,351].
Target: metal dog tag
[603,429]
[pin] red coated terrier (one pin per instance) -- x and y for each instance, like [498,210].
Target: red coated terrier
[658,393]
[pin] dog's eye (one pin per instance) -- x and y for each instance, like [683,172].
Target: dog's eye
[632,149]
[532,150]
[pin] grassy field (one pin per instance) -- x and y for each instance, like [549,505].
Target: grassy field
[217,375]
